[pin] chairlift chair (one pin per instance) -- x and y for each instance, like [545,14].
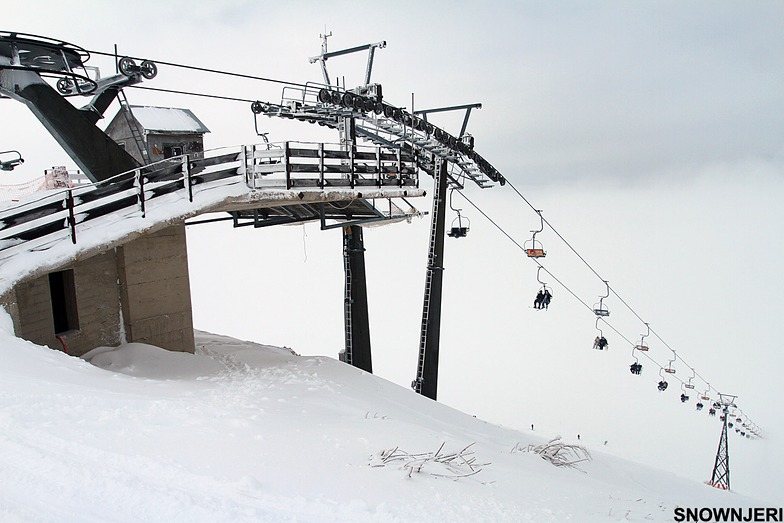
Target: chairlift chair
[663,382]
[689,384]
[599,309]
[600,342]
[545,294]
[668,369]
[8,165]
[459,229]
[642,346]
[534,248]
[705,396]
[684,396]
[636,367]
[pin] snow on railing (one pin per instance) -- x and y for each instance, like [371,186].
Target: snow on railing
[289,165]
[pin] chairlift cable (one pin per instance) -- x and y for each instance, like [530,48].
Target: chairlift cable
[207,70]
[645,354]
[554,230]
[617,295]
[174,91]
[523,249]
[609,325]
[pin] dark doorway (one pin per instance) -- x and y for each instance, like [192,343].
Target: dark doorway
[63,293]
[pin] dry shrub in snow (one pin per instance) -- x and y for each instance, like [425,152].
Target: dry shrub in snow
[454,465]
[558,453]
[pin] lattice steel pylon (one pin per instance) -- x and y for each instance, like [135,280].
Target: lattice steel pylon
[721,467]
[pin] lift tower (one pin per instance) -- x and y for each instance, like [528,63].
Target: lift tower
[355,309]
[721,467]
[450,159]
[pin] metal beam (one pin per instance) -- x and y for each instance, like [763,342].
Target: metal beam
[450,108]
[97,155]
[426,382]
[357,324]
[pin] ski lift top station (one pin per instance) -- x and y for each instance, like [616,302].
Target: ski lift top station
[396,145]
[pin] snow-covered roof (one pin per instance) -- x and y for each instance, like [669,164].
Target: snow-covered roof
[168,119]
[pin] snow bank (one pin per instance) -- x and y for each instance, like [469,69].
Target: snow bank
[246,432]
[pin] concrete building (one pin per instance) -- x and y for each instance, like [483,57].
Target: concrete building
[138,291]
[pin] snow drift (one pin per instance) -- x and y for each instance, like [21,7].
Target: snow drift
[247,432]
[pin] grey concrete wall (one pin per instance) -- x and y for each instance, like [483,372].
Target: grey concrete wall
[155,290]
[97,298]
[98,304]
[34,309]
[139,292]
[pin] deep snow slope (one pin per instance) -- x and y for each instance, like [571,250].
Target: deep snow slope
[244,432]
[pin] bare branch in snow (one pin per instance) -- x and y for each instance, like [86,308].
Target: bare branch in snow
[558,453]
[452,465]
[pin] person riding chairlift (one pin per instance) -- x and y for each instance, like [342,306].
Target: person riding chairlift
[546,299]
[539,299]
[600,343]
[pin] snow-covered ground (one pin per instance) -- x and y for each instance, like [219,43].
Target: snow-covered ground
[246,432]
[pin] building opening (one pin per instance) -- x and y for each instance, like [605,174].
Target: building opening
[172,150]
[63,293]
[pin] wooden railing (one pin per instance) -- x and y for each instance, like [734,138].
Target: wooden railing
[289,165]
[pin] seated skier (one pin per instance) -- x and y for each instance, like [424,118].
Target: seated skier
[546,299]
[538,300]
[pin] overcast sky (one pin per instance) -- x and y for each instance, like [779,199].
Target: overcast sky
[650,133]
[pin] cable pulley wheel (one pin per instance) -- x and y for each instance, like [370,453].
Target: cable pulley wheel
[65,86]
[127,66]
[347,100]
[324,96]
[148,69]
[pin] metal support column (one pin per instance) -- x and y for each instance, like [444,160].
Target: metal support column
[426,382]
[357,324]
[721,467]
